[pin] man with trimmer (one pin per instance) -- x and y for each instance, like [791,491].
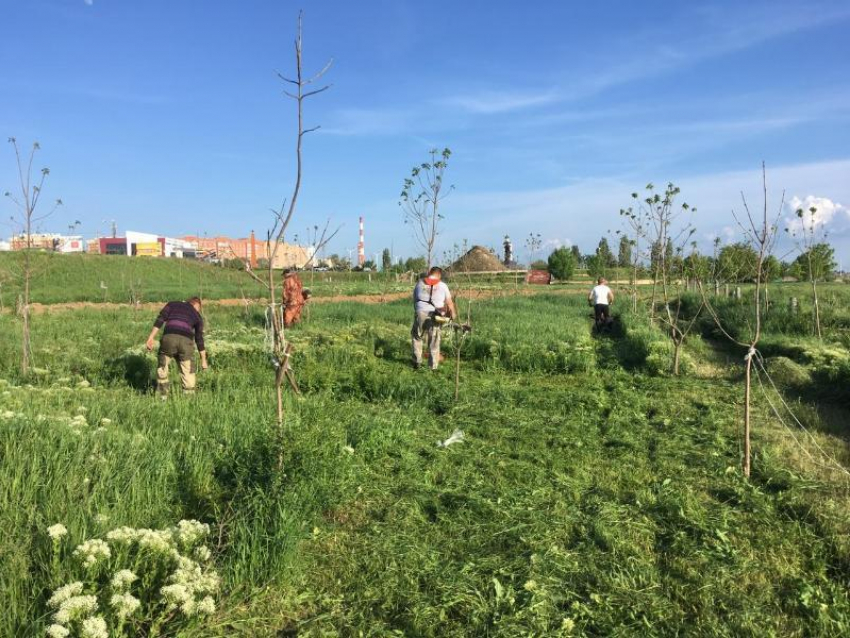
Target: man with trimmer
[432,308]
[601,298]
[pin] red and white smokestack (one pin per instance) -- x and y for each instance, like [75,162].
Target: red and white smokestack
[361,246]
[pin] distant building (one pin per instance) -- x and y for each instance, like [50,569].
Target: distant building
[5,246]
[71,244]
[37,241]
[136,244]
[249,250]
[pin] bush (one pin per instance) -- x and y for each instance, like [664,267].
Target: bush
[561,264]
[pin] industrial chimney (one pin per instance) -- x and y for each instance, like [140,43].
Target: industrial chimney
[361,247]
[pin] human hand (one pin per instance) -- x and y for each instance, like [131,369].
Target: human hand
[149,344]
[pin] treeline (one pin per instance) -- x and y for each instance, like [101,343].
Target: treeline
[733,263]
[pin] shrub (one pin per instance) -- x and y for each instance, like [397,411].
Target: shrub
[561,264]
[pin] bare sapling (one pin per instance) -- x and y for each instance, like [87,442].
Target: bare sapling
[282,217]
[420,199]
[460,331]
[28,215]
[638,222]
[760,234]
[678,325]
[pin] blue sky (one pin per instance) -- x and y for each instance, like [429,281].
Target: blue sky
[168,116]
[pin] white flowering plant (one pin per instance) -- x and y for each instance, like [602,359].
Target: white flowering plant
[135,581]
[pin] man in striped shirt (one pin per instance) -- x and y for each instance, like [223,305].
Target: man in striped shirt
[184,328]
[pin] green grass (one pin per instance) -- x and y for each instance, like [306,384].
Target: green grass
[594,495]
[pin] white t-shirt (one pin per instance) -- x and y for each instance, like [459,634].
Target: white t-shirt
[599,294]
[437,295]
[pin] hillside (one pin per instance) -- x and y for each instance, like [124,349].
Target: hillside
[97,278]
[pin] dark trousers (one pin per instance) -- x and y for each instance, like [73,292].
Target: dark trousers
[602,312]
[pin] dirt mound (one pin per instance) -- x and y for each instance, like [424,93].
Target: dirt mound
[479,259]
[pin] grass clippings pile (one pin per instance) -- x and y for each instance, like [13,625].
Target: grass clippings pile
[478,259]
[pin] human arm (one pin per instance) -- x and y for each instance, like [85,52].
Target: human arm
[450,304]
[151,337]
[199,341]
[161,318]
[610,296]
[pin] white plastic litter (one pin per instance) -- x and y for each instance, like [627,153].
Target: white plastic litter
[456,437]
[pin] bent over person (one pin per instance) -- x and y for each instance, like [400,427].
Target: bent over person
[432,306]
[184,328]
[294,298]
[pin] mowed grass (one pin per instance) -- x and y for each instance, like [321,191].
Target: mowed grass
[593,495]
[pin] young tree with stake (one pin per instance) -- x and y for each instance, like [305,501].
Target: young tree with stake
[27,204]
[760,235]
[282,217]
[815,260]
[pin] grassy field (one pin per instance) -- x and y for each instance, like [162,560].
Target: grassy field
[70,278]
[593,494]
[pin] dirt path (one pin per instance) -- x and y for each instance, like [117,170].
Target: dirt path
[39,308]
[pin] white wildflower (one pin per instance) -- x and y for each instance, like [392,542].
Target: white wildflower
[82,410]
[75,608]
[124,535]
[92,551]
[123,579]
[83,384]
[175,594]
[57,631]
[206,606]
[159,541]
[105,421]
[101,519]
[202,553]
[57,531]
[190,532]
[100,430]
[189,608]
[94,627]
[124,604]
[64,593]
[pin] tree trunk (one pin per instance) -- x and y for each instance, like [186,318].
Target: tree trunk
[817,308]
[677,350]
[457,373]
[25,316]
[746,460]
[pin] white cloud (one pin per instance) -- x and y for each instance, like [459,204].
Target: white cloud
[369,121]
[551,244]
[827,213]
[488,102]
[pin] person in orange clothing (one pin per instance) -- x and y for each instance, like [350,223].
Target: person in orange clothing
[294,297]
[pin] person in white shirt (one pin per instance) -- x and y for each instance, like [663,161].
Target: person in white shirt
[601,298]
[431,300]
